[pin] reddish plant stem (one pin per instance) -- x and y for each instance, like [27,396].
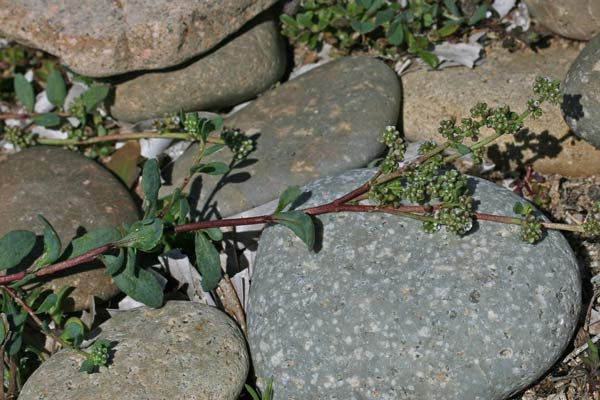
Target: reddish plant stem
[51,269]
[27,115]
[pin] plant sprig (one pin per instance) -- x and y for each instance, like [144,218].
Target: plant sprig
[425,189]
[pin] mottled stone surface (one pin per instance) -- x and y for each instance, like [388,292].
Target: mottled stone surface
[581,106]
[182,351]
[104,37]
[385,311]
[505,78]
[575,19]
[239,70]
[322,123]
[75,195]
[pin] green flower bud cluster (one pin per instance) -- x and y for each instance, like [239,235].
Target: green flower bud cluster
[77,109]
[457,218]
[168,123]
[469,128]
[100,355]
[591,225]
[477,156]
[533,105]
[547,90]
[18,138]
[191,126]
[448,187]
[239,144]
[426,147]
[531,227]
[480,110]
[397,148]
[503,120]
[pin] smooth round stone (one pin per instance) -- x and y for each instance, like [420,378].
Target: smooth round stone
[581,105]
[237,71]
[105,37]
[75,194]
[575,19]
[504,79]
[183,350]
[324,122]
[385,311]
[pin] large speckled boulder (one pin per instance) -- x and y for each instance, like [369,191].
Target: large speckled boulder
[575,19]
[239,70]
[385,311]
[104,37]
[75,195]
[505,78]
[182,351]
[323,122]
[581,106]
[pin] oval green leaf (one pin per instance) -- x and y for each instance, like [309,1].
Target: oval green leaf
[209,263]
[300,223]
[14,247]
[24,92]
[56,90]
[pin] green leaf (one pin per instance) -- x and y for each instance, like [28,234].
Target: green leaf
[214,234]
[57,310]
[143,235]
[139,284]
[212,149]
[304,19]
[300,223]
[14,247]
[2,333]
[73,331]
[213,168]
[362,27]
[24,92]
[21,282]
[94,96]
[290,194]
[429,58]
[395,34]
[461,148]
[518,208]
[451,6]
[376,5]
[366,4]
[150,187]
[112,264]
[91,240]
[447,30]
[289,21]
[48,119]
[47,304]
[15,344]
[52,245]
[88,366]
[478,15]
[384,16]
[56,90]
[209,263]
[217,122]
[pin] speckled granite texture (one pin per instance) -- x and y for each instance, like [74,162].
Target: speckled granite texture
[181,351]
[385,311]
[324,122]
[581,105]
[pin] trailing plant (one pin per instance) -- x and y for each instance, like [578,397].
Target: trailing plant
[427,189]
[389,28]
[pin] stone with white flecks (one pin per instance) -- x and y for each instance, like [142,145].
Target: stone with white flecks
[183,350]
[382,310]
[581,104]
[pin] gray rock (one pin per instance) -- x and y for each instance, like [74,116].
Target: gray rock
[385,311]
[75,195]
[581,105]
[505,78]
[238,71]
[104,37]
[324,122]
[182,351]
[575,19]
